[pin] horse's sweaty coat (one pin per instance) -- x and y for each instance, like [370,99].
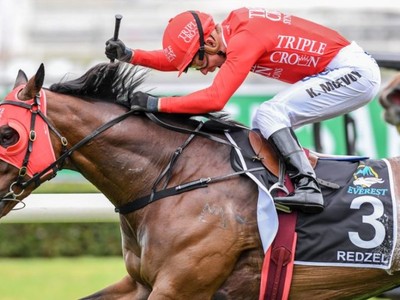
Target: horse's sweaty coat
[203,244]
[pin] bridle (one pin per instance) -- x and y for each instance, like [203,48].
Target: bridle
[57,165]
[34,109]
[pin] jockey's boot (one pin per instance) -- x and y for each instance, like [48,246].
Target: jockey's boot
[307,195]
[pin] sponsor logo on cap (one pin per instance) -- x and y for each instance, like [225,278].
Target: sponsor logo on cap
[188,32]
[169,53]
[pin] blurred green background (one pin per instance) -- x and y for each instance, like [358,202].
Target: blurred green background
[47,261]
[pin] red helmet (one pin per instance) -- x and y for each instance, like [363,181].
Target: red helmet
[182,38]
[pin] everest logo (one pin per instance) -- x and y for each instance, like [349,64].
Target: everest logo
[365,176]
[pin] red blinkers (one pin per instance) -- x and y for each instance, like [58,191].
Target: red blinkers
[19,118]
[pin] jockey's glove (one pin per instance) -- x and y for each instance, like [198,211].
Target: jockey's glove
[139,101]
[116,49]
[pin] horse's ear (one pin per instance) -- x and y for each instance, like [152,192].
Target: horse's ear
[33,86]
[21,79]
[39,77]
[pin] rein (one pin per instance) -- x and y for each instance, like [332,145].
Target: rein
[156,120]
[58,163]
[65,153]
[75,147]
[139,203]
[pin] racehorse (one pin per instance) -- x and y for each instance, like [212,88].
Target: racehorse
[202,243]
[389,98]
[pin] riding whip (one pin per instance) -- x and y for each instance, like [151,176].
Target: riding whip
[118,19]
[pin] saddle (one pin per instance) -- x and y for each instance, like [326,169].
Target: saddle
[279,259]
[256,151]
[276,274]
[268,156]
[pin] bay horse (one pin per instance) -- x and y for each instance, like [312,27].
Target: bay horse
[389,99]
[200,244]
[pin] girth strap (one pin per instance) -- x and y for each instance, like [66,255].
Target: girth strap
[176,190]
[168,169]
[139,203]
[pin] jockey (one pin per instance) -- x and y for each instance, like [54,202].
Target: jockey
[329,76]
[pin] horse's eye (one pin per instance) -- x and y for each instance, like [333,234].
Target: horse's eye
[8,136]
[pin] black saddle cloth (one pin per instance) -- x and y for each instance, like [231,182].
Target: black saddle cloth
[356,228]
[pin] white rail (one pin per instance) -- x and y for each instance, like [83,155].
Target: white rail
[49,208]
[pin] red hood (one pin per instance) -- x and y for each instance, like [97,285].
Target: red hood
[19,118]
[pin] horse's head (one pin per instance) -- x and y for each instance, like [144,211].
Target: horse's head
[16,139]
[390,101]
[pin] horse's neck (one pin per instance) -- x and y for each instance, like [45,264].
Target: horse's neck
[120,162]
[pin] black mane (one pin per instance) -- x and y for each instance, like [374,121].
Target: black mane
[105,81]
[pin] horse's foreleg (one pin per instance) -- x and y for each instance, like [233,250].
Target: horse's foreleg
[196,275]
[125,289]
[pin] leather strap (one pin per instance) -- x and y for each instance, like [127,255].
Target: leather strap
[277,271]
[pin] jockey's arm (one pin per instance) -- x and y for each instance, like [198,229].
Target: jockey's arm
[151,59]
[233,72]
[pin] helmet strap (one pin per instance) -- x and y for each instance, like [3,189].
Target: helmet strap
[201,34]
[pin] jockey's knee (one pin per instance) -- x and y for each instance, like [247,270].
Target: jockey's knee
[270,117]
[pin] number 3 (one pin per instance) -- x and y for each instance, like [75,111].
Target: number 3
[380,231]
